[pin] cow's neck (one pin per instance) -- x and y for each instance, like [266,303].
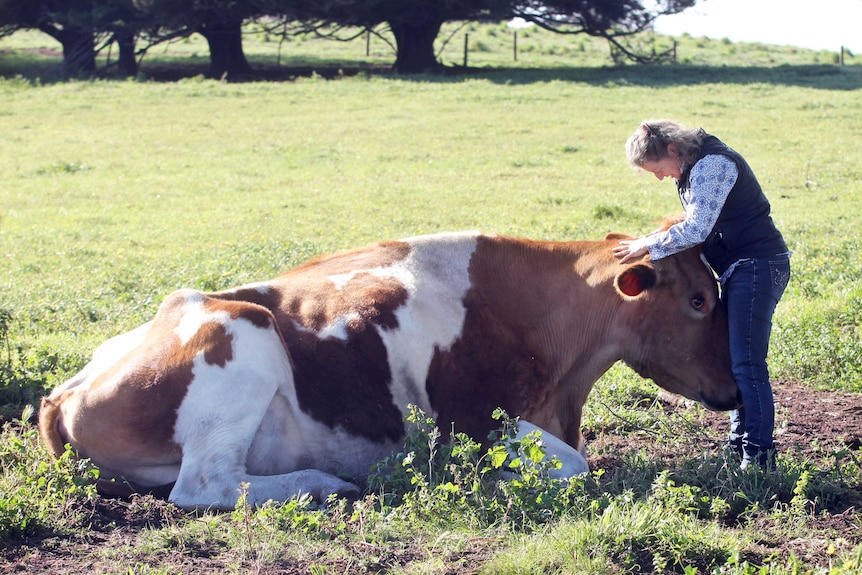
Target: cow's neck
[560,298]
[580,352]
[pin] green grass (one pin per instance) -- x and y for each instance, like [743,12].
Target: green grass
[117,192]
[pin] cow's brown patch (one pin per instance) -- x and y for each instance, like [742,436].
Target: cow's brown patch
[344,382]
[503,358]
[309,295]
[260,314]
[130,409]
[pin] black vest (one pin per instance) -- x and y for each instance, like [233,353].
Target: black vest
[744,228]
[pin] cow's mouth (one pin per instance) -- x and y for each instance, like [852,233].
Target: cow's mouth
[726,405]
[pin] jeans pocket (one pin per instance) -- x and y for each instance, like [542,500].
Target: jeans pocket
[780,272]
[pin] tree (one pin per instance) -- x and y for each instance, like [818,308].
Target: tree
[218,21]
[69,22]
[124,23]
[9,16]
[415,24]
[615,20]
[81,27]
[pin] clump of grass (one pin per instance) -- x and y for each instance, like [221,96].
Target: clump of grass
[39,495]
[63,168]
[604,211]
[628,536]
[821,348]
[23,375]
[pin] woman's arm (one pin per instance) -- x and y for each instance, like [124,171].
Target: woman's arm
[711,180]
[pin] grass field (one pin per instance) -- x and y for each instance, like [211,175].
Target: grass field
[117,192]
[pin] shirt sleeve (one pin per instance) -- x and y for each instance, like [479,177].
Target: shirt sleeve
[711,178]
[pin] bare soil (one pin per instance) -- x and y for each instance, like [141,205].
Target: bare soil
[808,423]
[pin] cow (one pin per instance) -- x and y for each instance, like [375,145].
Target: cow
[298,385]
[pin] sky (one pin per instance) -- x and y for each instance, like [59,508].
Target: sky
[817,24]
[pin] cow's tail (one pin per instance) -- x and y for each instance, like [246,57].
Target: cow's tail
[49,427]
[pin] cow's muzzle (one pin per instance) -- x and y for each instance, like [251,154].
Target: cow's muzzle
[727,404]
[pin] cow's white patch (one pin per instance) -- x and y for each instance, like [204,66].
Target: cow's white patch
[194,316]
[259,287]
[337,329]
[341,280]
[240,390]
[224,406]
[436,277]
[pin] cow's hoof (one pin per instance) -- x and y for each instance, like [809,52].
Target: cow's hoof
[341,490]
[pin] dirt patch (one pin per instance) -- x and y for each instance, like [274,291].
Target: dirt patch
[808,424]
[834,419]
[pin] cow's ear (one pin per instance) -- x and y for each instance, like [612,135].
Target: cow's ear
[634,280]
[618,236]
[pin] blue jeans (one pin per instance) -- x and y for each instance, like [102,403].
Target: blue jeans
[751,293]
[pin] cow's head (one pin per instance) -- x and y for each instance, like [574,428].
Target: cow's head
[678,334]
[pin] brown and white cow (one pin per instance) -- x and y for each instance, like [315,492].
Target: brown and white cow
[292,384]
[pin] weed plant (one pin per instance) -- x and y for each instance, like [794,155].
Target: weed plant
[457,482]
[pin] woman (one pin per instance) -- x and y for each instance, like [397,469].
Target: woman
[727,212]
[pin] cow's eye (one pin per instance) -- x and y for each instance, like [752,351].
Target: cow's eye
[698,303]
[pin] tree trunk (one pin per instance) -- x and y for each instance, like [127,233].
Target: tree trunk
[79,50]
[226,55]
[415,44]
[127,65]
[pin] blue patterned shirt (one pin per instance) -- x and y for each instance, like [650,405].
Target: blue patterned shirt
[711,179]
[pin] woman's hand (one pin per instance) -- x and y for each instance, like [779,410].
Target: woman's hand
[629,250]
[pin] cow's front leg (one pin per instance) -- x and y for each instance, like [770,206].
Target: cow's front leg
[574,463]
[262,488]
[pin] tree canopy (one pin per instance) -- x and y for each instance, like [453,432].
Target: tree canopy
[85,26]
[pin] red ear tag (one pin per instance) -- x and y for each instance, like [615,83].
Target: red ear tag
[630,283]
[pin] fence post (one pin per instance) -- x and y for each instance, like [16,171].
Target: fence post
[674,51]
[515,45]
[841,56]
[368,42]
[466,40]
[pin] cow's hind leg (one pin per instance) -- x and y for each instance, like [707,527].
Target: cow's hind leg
[220,415]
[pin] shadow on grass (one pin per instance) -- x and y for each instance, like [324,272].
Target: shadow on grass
[44,69]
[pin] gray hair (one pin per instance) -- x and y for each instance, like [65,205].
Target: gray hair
[649,142]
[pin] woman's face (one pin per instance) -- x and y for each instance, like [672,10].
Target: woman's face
[663,168]
[667,166]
